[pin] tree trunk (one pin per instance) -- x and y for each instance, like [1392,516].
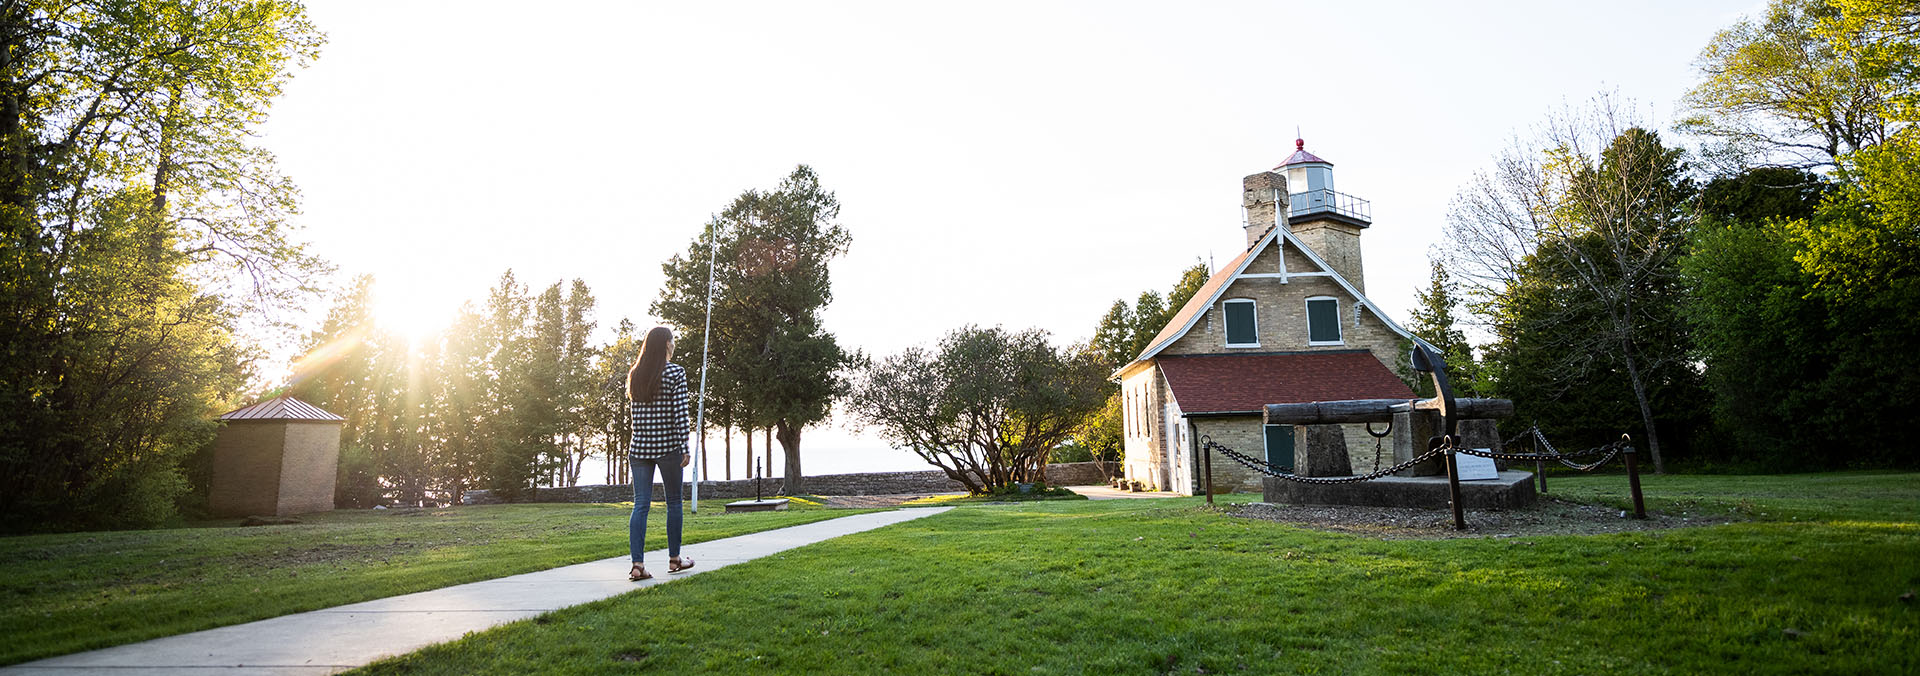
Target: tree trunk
[727,434]
[749,454]
[766,451]
[790,447]
[1646,409]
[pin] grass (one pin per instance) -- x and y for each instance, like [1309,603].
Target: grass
[1002,496]
[1864,496]
[1170,586]
[77,591]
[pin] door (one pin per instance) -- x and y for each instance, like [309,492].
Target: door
[1279,443]
[1177,452]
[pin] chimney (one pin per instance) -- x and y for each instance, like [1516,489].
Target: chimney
[1264,193]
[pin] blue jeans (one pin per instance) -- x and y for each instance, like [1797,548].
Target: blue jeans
[669,466]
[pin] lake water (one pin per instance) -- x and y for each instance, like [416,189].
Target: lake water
[822,451]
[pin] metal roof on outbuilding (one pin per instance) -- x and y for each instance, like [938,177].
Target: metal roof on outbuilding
[282,408]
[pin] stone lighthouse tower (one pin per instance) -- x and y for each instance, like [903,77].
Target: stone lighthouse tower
[1328,222]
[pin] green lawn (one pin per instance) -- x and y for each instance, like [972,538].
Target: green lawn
[1865,496]
[77,591]
[1813,585]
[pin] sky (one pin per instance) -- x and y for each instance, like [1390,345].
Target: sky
[1021,164]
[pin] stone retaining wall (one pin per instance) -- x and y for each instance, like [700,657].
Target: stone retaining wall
[871,483]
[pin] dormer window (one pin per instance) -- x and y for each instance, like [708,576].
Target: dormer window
[1323,321]
[1242,326]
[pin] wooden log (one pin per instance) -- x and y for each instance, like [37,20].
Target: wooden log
[1325,412]
[1378,410]
[1465,408]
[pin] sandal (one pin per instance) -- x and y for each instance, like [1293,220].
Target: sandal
[638,573]
[677,564]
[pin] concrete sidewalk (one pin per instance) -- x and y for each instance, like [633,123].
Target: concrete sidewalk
[1110,493]
[337,639]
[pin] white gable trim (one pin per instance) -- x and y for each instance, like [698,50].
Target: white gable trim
[1215,298]
[1273,235]
[1359,298]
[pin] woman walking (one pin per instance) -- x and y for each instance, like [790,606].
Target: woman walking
[657,390]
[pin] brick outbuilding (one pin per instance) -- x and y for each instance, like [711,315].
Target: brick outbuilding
[276,457]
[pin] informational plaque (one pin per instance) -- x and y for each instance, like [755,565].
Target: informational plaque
[1476,468]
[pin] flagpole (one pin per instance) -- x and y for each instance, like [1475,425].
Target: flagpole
[706,342]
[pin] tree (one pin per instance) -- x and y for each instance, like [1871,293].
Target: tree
[1435,319]
[1124,332]
[782,369]
[517,406]
[987,408]
[578,383]
[1571,250]
[606,417]
[1121,336]
[127,187]
[1811,82]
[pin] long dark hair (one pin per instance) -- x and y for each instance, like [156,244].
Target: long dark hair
[643,380]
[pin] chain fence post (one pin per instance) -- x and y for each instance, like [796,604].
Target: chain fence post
[1633,477]
[1453,485]
[1206,460]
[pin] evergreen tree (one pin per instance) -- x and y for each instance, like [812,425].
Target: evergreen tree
[783,369]
[1434,319]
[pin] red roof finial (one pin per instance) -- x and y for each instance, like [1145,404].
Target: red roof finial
[1299,144]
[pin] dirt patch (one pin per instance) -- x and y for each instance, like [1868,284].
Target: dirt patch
[1550,516]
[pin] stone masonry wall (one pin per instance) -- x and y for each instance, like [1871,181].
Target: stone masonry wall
[1280,312]
[308,467]
[1240,433]
[246,468]
[870,483]
[1338,244]
[1246,435]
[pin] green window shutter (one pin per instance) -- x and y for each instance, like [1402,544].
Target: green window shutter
[1323,320]
[1240,323]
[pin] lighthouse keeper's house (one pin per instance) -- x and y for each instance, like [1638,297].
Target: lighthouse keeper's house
[1285,321]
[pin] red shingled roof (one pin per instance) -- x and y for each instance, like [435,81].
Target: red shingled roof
[280,408]
[1243,383]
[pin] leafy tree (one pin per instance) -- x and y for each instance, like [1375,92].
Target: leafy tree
[987,408]
[1121,336]
[1570,248]
[1810,82]
[127,186]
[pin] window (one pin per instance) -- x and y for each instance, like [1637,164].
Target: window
[1323,321]
[1242,327]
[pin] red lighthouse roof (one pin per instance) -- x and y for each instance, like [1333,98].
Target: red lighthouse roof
[1301,156]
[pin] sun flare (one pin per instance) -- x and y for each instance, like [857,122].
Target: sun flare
[412,316]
